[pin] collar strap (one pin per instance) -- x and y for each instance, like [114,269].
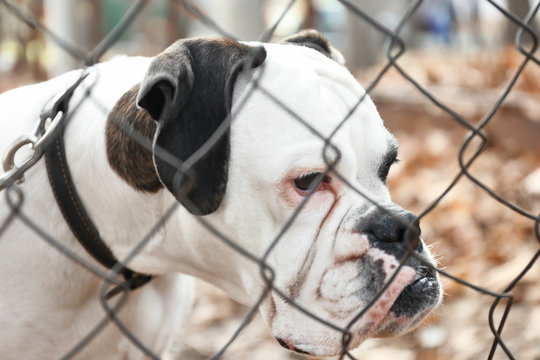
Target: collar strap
[71,205]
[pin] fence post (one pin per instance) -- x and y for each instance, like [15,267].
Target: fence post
[59,18]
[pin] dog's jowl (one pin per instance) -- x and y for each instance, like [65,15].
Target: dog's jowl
[267,145]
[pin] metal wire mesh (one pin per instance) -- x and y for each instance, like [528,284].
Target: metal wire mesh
[396,48]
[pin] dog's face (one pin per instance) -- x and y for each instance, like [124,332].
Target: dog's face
[341,249]
[297,178]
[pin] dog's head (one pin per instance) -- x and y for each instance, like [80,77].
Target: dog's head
[279,147]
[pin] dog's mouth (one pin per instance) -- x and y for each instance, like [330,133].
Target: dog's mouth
[290,346]
[409,308]
[412,305]
[372,294]
[423,292]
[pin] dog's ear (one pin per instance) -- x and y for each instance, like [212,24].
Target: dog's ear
[188,91]
[315,40]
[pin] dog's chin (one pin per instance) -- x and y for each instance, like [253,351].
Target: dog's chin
[409,309]
[332,344]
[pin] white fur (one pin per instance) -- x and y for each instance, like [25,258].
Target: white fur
[48,302]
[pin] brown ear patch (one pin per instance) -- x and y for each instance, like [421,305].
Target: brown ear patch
[129,159]
[312,39]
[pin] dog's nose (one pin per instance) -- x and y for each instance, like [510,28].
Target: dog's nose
[391,226]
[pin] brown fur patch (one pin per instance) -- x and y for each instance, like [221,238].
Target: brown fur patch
[312,39]
[128,158]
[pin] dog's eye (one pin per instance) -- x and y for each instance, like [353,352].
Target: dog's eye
[389,160]
[306,183]
[385,169]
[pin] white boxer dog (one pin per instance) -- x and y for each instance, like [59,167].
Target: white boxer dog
[318,212]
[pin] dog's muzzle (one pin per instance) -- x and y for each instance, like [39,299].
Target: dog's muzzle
[389,278]
[397,232]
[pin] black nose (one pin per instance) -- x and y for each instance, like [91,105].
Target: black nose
[391,228]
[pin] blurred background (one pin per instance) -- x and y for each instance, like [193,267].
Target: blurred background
[457,26]
[462,52]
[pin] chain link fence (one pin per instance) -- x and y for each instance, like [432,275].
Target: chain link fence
[471,150]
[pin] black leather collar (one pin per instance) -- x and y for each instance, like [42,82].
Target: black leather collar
[70,203]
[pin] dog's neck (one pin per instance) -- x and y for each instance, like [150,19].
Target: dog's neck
[124,197]
[140,202]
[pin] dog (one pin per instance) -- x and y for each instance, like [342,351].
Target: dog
[296,176]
